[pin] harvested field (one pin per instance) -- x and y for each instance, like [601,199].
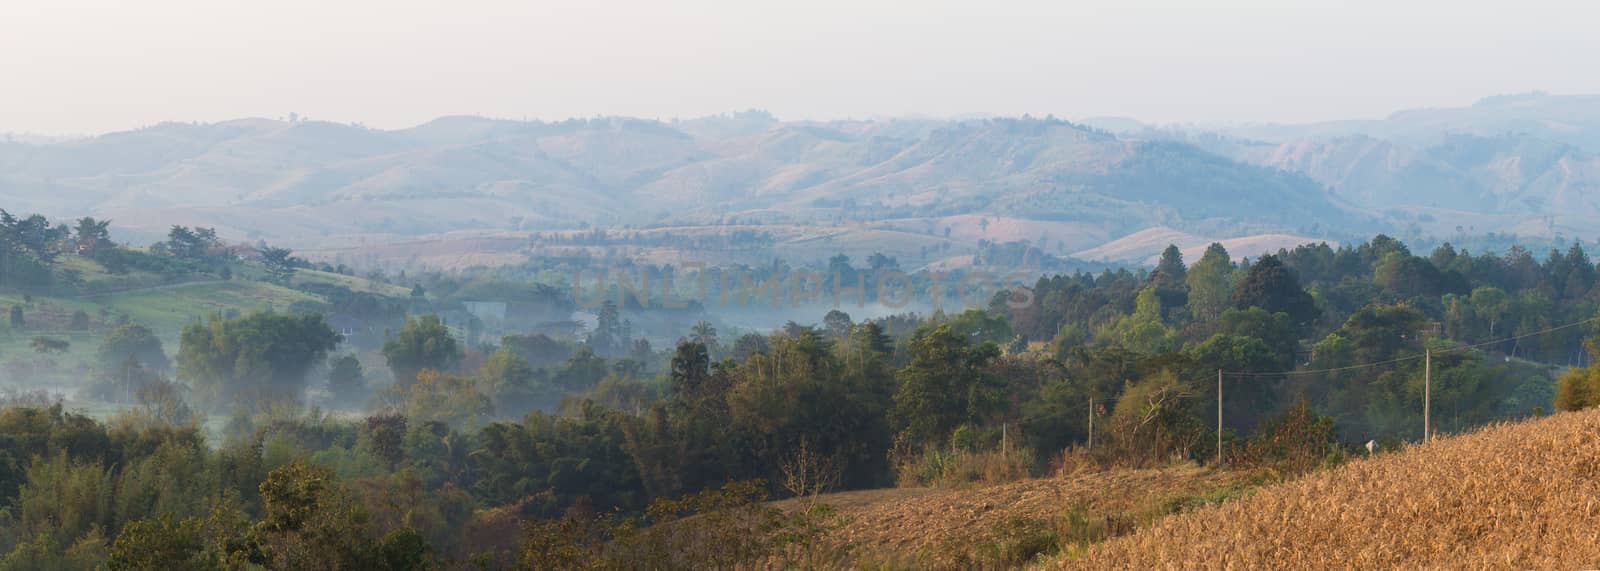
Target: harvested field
[906,523]
[1511,496]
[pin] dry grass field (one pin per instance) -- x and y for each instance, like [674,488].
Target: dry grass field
[1511,496]
[950,528]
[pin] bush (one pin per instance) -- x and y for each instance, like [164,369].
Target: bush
[1578,389]
[940,468]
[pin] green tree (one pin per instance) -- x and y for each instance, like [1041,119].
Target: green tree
[346,381]
[255,358]
[280,263]
[424,343]
[1210,283]
[93,235]
[1272,286]
[132,341]
[945,385]
[1491,304]
[309,521]
[162,544]
[704,333]
[514,384]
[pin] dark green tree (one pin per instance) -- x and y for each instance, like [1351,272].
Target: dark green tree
[424,343]
[944,385]
[346,381]
[1271,286]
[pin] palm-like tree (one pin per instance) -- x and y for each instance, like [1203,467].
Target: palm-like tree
[705,333]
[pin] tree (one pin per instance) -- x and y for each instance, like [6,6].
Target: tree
[705,333]
[48,345]
[93,235]
[195,244]
[838,323]
[943,386]
[309,521]
[1578,389]
[1271,286]
[1490,303]
[453,400]
[280,263]
[512,382]
[162,544]
[1170,272]
[747,345]
[254,358]
[132,341]
[1210,283]
[607,338]
[80,321]
[346,381]
[424,343]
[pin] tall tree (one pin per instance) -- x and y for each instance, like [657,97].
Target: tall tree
[93,235]
[423,343]
[280,263]
[1271,286]
[1491,304]
[1210,283]
[346,381]
[1170,271]
[944,385]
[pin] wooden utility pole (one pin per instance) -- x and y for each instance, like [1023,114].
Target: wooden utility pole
[1219,417]
[1091,422]
[1427,394]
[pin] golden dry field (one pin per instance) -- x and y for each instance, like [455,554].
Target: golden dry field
[1511,496]
[928,527]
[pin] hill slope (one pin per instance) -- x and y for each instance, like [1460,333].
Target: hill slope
[301,183]
[1521,495]
[939,527]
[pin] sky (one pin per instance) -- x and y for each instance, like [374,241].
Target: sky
[92,66]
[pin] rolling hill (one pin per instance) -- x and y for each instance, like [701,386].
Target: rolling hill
[306,183]
[1521,164]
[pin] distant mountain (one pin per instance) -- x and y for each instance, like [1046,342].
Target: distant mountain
[1527,164]
[305,182]
[1569,119]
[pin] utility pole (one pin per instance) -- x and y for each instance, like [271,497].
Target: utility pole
[1219,417]
[1091,422]
[1427,394]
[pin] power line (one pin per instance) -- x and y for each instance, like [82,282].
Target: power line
[1411,357]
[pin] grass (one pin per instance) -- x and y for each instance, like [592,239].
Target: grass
[164,308]
[1517,495]
[168,309]
[357,284]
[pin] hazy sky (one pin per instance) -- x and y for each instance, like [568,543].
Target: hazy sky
[78,66]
